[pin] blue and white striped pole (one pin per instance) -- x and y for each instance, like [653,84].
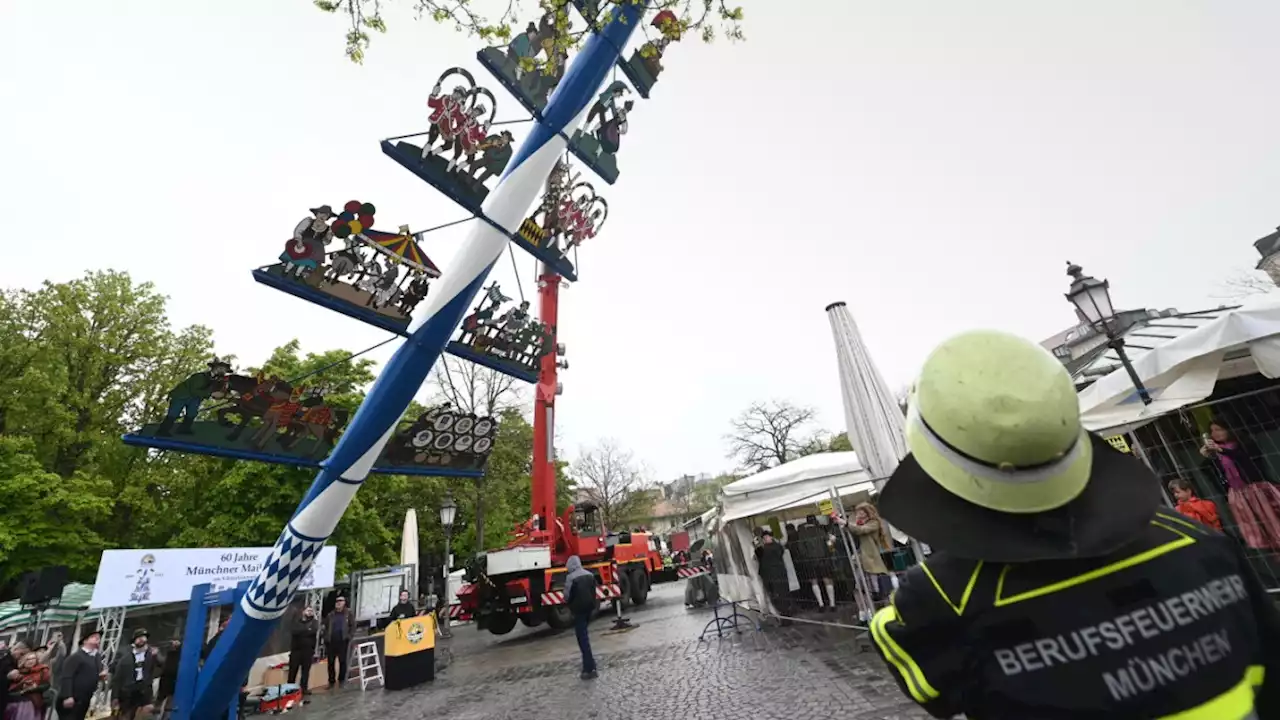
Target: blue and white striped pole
[433,324]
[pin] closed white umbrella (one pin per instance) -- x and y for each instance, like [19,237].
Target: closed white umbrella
[874,421]
[409,544]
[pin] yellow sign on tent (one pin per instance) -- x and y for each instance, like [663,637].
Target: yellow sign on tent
[826,507]
[1118,442]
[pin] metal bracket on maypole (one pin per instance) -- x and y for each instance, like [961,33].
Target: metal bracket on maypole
[434,321]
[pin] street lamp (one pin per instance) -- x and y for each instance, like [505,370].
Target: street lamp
[448,510]
[1092,299]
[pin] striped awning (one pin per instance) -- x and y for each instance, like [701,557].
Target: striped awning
[75,600]
[404,248]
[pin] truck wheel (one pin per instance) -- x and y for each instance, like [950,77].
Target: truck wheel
[559,617]
[501,623]
[533,619]
[625,586]
[639,588]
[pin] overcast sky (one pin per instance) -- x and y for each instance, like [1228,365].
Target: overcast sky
[933,164]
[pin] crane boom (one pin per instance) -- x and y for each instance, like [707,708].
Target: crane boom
[543,495]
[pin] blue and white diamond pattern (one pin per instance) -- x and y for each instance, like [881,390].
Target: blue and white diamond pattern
[288,563]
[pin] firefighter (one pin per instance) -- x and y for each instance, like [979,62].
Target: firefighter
[1059,587]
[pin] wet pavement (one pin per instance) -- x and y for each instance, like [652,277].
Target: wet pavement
[659,669]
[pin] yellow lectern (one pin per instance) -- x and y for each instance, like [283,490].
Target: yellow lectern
[410,652]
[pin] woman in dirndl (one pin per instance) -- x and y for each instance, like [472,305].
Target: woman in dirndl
[1253,499]
[28,692]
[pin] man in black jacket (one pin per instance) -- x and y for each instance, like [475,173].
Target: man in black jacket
[134,675]
[403,609]
[1059,586]
[580,596]
[339,626]
[302,646]
[81,672]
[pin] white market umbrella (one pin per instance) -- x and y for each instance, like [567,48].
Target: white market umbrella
[876,425]
[409,544]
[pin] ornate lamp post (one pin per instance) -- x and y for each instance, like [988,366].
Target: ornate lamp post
[448,510]
[1092,298]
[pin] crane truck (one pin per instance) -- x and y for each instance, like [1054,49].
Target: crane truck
[524,582]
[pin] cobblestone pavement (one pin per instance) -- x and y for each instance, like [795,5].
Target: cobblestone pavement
[658,670]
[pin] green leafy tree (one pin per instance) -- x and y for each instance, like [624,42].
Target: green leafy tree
[705,495]
[44,518]
[706,18]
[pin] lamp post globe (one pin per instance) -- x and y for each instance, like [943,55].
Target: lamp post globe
[1092,300]
[1091,297]
[448,510]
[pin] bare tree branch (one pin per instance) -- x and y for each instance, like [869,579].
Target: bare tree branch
[1244,284]
[609,477]
[769,434]
[474,388]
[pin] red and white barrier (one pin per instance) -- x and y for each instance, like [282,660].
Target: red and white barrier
[603,592]
[688,572]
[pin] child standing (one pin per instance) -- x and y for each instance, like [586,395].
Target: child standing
[1193,507]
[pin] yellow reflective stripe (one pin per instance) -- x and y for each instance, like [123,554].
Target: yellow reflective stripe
[1256,674]
[912,676]
[1182,541]
[1234,704]
[1169,517]
[968,589]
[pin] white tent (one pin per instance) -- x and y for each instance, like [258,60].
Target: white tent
[1184,371]
[806,481]
[797,484]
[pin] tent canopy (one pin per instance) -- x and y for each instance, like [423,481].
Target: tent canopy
[75,600]
[1184,371]
[799,482]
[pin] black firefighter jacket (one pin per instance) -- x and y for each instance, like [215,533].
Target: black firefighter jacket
[1174,625]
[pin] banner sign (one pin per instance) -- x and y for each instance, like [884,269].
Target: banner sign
[147,577]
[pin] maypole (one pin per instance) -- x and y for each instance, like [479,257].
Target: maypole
[433,322]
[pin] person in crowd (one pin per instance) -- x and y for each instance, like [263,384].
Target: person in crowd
[816,551]
[212,642]
[10,658]
[302,646]
[580,596]
[28,689]
[338,628]
[771,559]
[134,677]
[404,608]
[1253,499]
[55,652]
[81,672]
[1203,511]
[873,540]
[1059,587]
[168,676]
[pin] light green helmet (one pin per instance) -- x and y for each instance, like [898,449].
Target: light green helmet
[995,420]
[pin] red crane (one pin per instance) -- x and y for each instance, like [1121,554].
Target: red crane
[525,581]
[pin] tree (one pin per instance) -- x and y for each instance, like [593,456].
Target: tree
[44,518]
[609,477]
[708,18]
[707,494]
[769,433]
[823,442]
[1244,284]
[477,390]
